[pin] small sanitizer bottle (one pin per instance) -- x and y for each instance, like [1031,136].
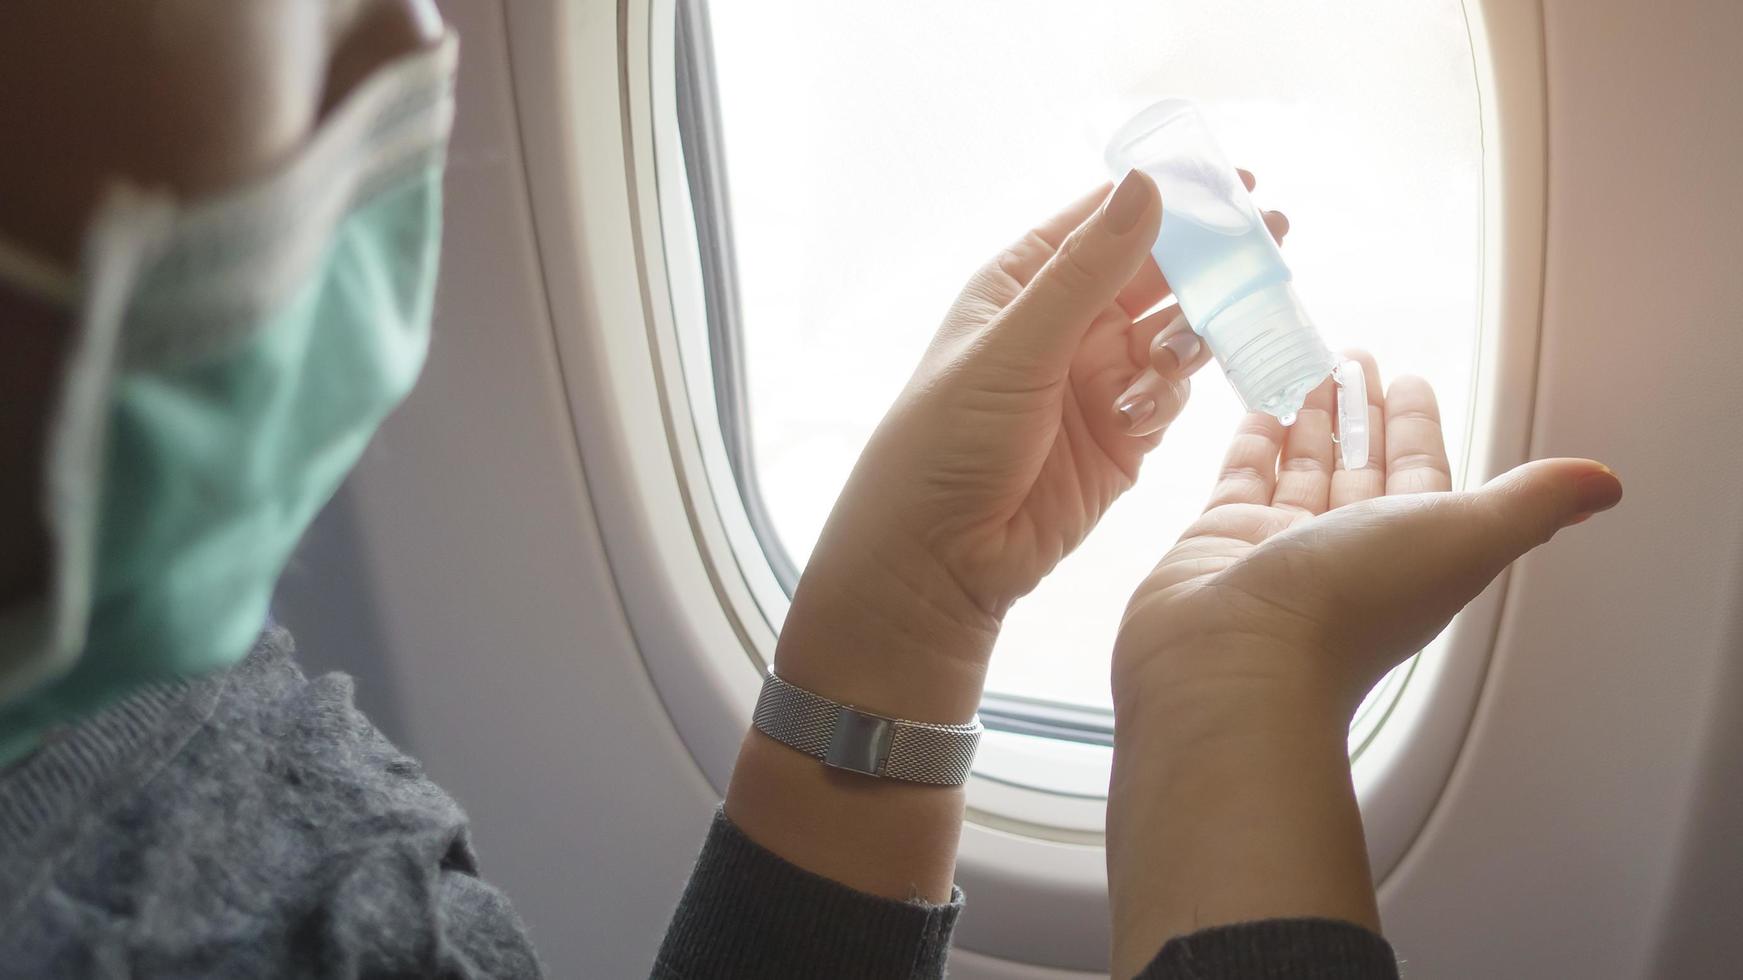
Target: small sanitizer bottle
[1229,277]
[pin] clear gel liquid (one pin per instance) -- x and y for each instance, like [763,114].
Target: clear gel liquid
[1221,262]
[1209,267]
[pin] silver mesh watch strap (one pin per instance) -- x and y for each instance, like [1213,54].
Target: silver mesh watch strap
[847,738]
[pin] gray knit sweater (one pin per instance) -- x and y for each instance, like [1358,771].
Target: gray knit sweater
[255,824]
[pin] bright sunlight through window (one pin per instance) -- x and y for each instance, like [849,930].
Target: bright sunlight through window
[877,154]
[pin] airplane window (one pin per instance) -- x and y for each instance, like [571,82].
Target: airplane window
[866,158]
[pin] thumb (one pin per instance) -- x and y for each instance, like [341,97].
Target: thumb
[1046,322]
[1463,540]
[1435,551]
[1455,551]
[1400,567]
[1527,505]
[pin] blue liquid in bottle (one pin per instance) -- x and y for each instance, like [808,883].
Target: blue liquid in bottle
[1226,271]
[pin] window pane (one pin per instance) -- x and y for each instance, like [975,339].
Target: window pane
[878,153]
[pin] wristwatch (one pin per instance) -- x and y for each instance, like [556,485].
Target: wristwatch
[847,738]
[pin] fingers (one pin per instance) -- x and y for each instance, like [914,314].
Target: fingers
[1148,331]
[1165,343]
[1277,223]
[1044,324]
[1415,446]
[1178,350]
[1304,472]
[1152,403]
[1249,473]
[1166,360]
[1349,486]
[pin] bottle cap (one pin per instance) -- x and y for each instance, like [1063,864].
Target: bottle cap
[1352,420]
[1268,349]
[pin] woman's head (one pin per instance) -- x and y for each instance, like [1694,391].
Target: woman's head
[219,286]
[184,96]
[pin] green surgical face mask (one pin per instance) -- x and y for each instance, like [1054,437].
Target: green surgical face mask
[232,358]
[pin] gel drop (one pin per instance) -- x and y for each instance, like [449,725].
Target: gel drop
[1229,276]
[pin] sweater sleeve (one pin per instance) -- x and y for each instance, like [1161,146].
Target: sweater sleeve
[748,913]
[1276,949]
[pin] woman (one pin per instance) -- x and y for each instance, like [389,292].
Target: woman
[190,369]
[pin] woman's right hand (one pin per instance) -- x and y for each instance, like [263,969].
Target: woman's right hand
[1245,652]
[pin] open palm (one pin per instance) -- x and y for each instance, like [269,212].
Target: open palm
[1237,575]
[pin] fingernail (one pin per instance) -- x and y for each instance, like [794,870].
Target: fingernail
[1126,206]
[1598,491]
[1151,402]
[1182,346]
[1137,410]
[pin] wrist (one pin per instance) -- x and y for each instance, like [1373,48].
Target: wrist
[880,639]
[852,637]
[1204,764]
[1210,690]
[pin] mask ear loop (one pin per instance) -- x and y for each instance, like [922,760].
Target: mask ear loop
[36,276]
[1351,434]
[124,234]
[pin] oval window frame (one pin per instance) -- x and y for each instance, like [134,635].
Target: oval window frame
[657,469]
